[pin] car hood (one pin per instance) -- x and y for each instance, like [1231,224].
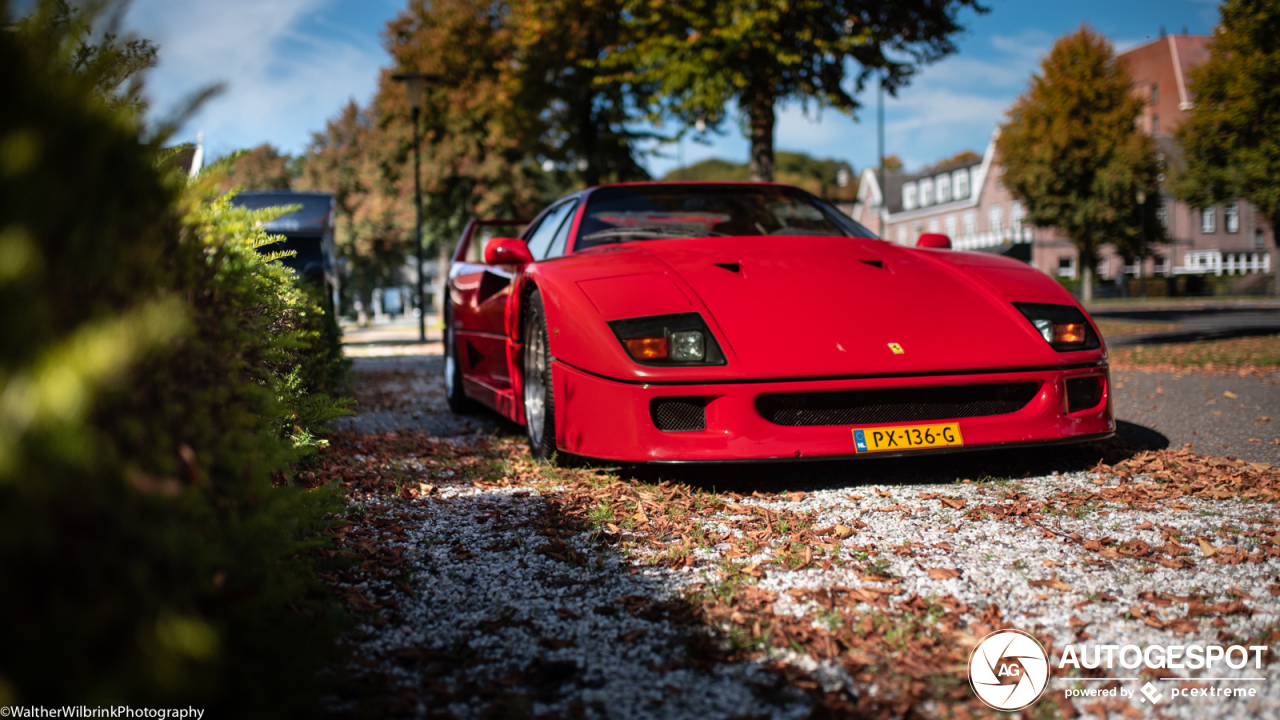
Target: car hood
[834,306]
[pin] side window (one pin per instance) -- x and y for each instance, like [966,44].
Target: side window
[540,240]
[562,235]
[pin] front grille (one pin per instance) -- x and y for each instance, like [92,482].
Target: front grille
[684,414]
[864,407]
[1083,393]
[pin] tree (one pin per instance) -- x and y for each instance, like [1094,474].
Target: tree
[586,117]
[1071,151]
[892,162]
[820,177]
[262,168]
[373,220]
[699,56]
[1232,140]
[89,45]
[964,157]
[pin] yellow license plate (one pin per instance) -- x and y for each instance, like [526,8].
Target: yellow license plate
[907,437]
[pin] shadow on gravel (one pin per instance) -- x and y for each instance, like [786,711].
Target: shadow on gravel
[774,477]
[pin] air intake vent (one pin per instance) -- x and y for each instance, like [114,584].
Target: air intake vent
[864,407]
[1083,393]
[684,414]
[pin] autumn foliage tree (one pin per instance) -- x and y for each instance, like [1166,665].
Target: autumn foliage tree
[373,224]
[262,168]
[694,59]
[1072,153]
[1232,140]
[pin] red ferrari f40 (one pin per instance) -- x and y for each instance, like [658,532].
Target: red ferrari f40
[685,322]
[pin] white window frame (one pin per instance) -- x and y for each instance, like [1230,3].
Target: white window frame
[950,224]
[926,192]
[995,218]
[960,184]
[1231,217]
[942,186]
[970,223]
[1209,220]
[1068,270]
[902,234]
[909,196]
[933,225]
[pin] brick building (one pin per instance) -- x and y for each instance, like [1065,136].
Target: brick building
[967,201]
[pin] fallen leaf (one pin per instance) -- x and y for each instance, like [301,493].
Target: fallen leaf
[954,503]
[942,573]
[1230,394]
[795,496]
[627,638]
[842,532]
[1207,549]
[1053,563]
[1051,583]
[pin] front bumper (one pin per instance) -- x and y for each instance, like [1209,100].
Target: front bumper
[603,418]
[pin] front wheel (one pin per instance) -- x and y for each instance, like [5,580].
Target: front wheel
[539,393]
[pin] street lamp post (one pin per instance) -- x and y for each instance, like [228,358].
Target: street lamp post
[1142,242]
[416,85]
[880,150]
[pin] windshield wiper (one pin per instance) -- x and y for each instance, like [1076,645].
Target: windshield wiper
[652,231]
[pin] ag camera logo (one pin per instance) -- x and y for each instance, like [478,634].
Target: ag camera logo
[1008,670]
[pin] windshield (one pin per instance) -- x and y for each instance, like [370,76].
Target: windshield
[649,212]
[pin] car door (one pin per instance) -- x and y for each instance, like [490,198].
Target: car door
[480,317]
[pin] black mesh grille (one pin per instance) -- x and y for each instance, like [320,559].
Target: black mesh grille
[679,414]
[1083,393]
[857,407]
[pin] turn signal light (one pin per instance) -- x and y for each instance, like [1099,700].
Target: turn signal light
[1069,333]
[650,348]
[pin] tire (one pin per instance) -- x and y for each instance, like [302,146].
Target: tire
[539,391]
[458,401]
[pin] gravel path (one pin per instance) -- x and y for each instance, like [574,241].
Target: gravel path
[522,593]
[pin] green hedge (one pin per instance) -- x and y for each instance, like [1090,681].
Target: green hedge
[160,381]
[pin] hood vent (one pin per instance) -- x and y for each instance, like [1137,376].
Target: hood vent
[874,263]
[731,267]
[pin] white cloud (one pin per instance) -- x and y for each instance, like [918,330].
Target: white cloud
[285,68]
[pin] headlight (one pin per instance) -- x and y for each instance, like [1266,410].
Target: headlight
[668,340]
[1064,327]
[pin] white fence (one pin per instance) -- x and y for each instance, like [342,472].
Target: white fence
[1203,262]
[992,239]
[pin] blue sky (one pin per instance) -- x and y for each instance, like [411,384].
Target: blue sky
[289,65]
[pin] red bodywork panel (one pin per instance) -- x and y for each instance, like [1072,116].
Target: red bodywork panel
[792,314]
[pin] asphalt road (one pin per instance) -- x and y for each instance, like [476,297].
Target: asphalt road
[1195,410]
[1197,323]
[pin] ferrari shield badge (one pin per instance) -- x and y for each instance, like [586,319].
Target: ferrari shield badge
[896,348]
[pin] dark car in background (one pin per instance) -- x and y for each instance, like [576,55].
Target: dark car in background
[307,232]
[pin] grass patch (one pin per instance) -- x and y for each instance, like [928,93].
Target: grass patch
[1258,351]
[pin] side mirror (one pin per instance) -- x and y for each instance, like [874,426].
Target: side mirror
[934,240]
[507,251]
